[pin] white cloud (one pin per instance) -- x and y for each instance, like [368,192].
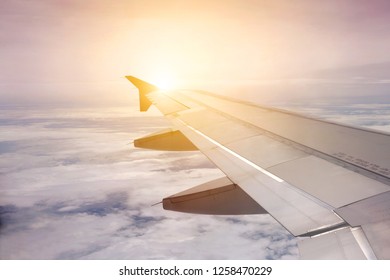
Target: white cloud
[73,189]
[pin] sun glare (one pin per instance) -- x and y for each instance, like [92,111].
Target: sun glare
[165,82]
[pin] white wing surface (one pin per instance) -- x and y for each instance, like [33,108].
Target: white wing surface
[328,184]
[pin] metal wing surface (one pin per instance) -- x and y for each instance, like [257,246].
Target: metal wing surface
[328,184]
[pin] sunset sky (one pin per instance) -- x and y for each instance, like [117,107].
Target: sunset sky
[77,52]
[71,184]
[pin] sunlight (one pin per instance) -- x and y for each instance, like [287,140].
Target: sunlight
[165,82]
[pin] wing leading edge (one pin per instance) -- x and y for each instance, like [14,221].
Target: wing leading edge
[326,183]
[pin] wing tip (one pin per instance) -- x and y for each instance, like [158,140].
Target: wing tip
[143,89]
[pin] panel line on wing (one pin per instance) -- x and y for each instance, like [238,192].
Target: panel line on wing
[262,170]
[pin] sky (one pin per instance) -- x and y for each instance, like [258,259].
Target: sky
[72,186]
[77,52]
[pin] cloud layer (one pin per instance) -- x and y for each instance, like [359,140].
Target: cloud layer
[71,188]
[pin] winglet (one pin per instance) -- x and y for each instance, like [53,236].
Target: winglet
[143,88]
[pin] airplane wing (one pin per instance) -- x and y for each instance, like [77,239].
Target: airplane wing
[328,184]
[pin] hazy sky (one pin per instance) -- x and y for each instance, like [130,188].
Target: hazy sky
[71,187]
[73,51]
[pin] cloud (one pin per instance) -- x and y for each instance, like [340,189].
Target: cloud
[73,189]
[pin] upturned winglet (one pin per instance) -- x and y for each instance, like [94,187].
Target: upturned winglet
[143,88]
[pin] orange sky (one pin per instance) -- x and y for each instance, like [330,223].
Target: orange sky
[82,49]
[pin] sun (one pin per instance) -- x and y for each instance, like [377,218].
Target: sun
[165,82]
